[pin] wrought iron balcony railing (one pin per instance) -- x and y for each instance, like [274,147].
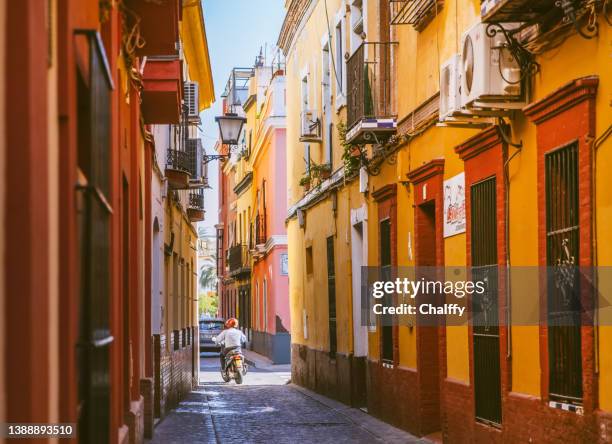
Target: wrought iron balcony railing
[238,259]
[260,229]
[177,160]
[237,87]
[196,199]
[369,103]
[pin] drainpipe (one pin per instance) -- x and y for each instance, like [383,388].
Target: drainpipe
[507,242]
[595,144]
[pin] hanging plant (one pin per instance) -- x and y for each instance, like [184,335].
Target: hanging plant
[351,154]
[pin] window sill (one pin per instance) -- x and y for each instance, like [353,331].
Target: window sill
[340,103]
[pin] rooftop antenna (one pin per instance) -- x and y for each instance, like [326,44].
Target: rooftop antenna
[259,60]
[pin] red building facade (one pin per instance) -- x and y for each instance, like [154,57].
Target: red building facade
[76,239]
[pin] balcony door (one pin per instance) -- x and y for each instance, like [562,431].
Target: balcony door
[93,218]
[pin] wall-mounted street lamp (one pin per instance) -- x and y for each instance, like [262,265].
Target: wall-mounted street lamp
[230,126]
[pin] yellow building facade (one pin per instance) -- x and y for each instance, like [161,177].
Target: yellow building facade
[384,205]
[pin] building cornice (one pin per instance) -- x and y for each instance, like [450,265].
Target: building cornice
[425,171]
[568,96]
[385,192]
[250,101]
[318,193]
[479,143]
[244,183]
[296,11]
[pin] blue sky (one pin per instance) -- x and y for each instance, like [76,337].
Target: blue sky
[236,29]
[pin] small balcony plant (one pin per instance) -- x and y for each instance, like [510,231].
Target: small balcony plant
[351,154]
[321,171]
[305,181]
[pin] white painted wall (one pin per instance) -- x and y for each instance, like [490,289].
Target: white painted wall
[359,255]
[162,140]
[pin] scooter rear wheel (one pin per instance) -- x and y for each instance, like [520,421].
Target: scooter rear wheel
[225,376]
[238,377]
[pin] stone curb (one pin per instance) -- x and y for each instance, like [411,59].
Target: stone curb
[376,427]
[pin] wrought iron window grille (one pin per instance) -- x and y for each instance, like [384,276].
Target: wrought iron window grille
[417,13]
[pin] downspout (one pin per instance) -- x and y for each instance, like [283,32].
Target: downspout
[595,145]
[507,242]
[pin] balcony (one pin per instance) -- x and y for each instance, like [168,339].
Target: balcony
[417,13]
[177,168]
[237,87]
[310,126]
[260,229]
[496,11]
[162,91]
[195,210]
[371,117]
[158,24]
[238,260]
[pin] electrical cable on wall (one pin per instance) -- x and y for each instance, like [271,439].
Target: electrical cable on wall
[331,52]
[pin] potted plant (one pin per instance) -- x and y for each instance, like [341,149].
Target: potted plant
[324,171]
[305,182]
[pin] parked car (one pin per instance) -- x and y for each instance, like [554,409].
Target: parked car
[208,328]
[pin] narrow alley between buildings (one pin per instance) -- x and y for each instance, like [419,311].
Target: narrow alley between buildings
[267,408]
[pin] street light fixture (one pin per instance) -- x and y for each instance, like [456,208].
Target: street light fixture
[230,126]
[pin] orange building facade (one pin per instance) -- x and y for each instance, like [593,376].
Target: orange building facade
[79,89]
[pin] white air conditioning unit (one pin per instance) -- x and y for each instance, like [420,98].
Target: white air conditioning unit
[191,98]
[450,92]
[310,128]
[490,76]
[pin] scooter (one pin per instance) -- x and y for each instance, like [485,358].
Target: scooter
[235,367]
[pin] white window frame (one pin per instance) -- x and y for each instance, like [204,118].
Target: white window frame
[355,39]
[339,60]
[326,52]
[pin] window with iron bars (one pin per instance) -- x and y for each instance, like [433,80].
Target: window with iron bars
[563,283]
[485,306]
[385,268]
[331,294]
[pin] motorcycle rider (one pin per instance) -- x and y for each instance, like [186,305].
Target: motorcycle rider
[230,339]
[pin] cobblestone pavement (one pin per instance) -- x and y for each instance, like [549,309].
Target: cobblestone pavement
[267,411]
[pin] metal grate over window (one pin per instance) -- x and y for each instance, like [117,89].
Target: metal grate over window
[331,294]
[563,284]
[485,307]
[385,269]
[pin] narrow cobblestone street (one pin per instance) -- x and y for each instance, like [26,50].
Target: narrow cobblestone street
[267,410]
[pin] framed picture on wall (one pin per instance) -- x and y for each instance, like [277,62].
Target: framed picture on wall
[454,205]
[284,264]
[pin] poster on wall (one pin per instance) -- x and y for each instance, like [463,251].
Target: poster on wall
[454,205]
[284,264]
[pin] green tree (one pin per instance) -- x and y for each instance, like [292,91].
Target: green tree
[208,303]
[208,277]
